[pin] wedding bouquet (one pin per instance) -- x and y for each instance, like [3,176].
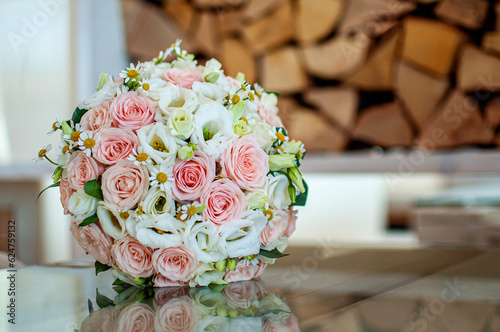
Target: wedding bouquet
[241,306]
[176,174]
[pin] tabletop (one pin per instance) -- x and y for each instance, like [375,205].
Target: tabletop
[322,288]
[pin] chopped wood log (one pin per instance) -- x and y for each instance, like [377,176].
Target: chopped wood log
[316,19]
[338,104]
[497,15]
[492,111]
[478,70]
[377,29]
[491,42]
[315,132]
[419,92]
[271,30]
[377,72]
[467,13]
[361,14]
[229,21]
[181,11]
[258,8]
[336,58]
[384,125]
[205,4]
[282,71]
[430,44]
[428,1]
[458,122]
[236,58]
[206,33]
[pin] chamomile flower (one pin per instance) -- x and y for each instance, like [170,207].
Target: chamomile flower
[190,211]
[87,142]
[161,177]
[42,154]
[75,135]
[131,73]
[139,213]
[140,158]
[55,126]
[175,48]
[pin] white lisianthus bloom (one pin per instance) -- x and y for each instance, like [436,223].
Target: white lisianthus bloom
[276,187]
[158,202]
[154,88]
[213,129]
[204,275]
[159,144]
[107,92]
[212,66]
[270,101]
[202,239]
[264,132]
[82,205]
[206,300]
[258,218]
[160,232]
[112,221]
[181,123]
[257,199]
[239,238]
[209,93]
[174,97]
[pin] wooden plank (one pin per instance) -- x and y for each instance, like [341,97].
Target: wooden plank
[207,32]
[492,111]
[491,42]
[314,20]
[478,70]
[230,21]
[258,8]
[236,58]
[282,71]
[205,4]
[181,11]
[467,13]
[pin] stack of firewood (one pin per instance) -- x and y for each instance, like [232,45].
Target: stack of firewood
[351,73]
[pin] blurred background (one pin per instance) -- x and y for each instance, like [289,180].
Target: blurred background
[397,102]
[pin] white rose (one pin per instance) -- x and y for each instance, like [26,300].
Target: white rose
[158,202]
[159,144]
[174,97]
[239,238]
[209,93]
[181,123]
[205,275]
[218,122]
[160,232]
[82,205]
[257,199]
[276,188]
[202,239]
[107,92]
[111,220]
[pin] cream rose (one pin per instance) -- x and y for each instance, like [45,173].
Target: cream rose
[92,239]
[115,144]
[136,317]
[245,163]
[133,258]
[82,205]
[193,177]
[224,202]
[238,238]
[175,263]
[177,315]
[124,185]
[81,169]
[97,118]
[181,124]
[131,110]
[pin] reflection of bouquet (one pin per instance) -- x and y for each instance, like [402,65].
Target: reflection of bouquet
[239,306]
[176,174]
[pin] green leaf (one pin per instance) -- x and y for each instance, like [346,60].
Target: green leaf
[277,94]
[77,115]
[89,220]
[91,306]
[301,198]
[275,253]
[121,288]
[57,184]
[217,288]
[93,188]
[102,301]
[119,282]
[100,267]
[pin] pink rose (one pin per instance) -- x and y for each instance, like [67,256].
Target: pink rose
[273,325]
[115,144]
[131,110]
[292,323]
[162,281]
[133,258]
[269,116]
[94,241]
[66,193]
[163,295]
[245,163]
[184,78]
[137,317]
[292,218]
[81,169]
[102,320]
[175,263]
[124,185]
[274,229]
[224,202]
[97,118]
[240,295]
[193,177]
[177,315]
[245,270]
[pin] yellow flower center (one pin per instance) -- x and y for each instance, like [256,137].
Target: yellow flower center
[159,231]
[139,211]
[244,119]
[145,86]
[269,214]
[235,99]
[89,143]
[300,155]
[141,157]
[124,215]
[161,177]
[251,96]
[280,149]
[55,125]
[42,153]
[191,211]
[75,135]
[65,149]
[280,136]
[132,74]
[179,217]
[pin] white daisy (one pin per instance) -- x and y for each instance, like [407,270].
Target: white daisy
[161,177]
[87,142]
[131,73]
[190,211]
[175,47]
[75,135]
[42,154]
[55,126]
[140,158]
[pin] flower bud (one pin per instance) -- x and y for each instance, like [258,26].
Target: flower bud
[233,313]
[231,265]
[212,77]
[221,265]
[296,177]
[102,80]
[292,147]
[57,173]
[66,128]
[185,153]
[279,161]
[292,193]
[222,312]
